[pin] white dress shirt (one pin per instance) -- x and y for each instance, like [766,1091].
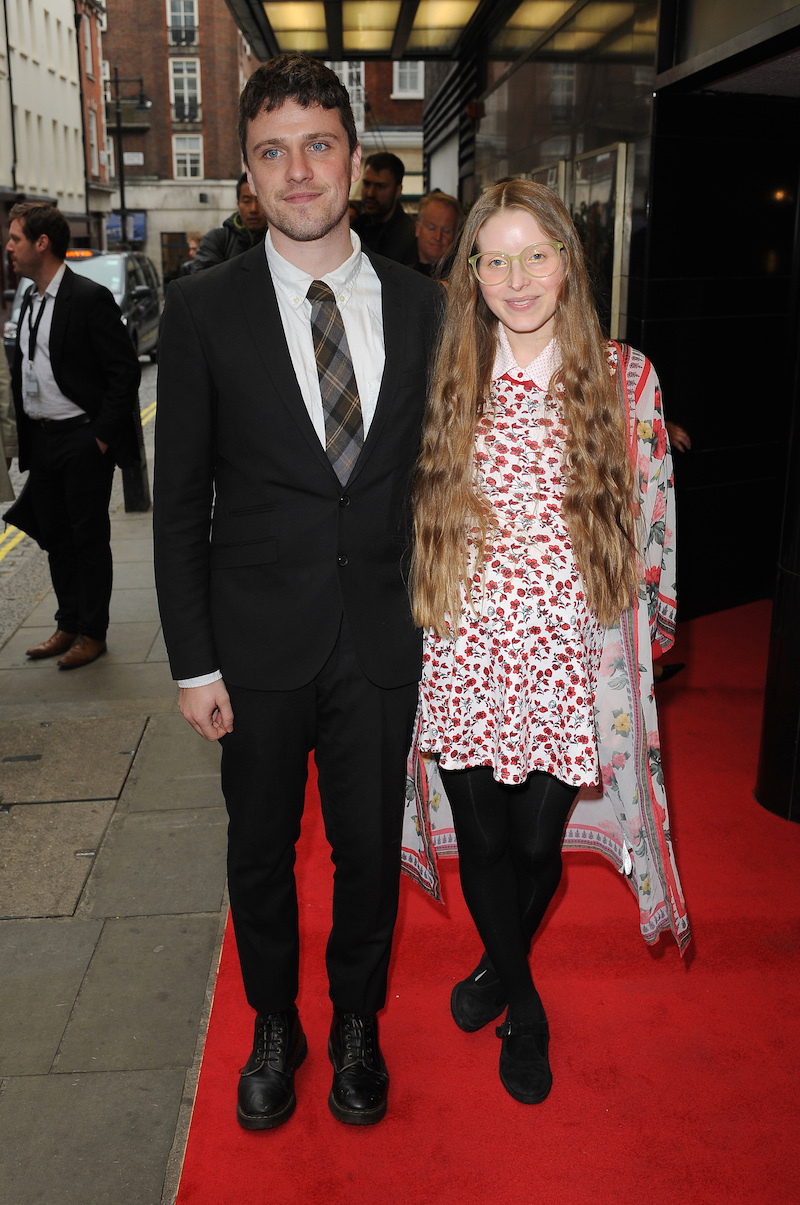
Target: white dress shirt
[357,290]
[48,402]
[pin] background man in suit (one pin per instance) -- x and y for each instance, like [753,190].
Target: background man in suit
[75,384]
[384,226]
[291,391]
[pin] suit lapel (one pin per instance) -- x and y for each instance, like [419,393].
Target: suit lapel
[262,315]
[58,326]
[394,339]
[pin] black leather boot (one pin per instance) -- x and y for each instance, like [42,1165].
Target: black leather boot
[266,1085]
[360,1079]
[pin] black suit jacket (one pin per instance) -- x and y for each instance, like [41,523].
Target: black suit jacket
[94,365]
[259,551]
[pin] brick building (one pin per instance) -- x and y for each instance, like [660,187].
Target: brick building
[387,99]
[181,157]
[90,16]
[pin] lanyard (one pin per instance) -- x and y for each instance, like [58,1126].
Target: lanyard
[33,329]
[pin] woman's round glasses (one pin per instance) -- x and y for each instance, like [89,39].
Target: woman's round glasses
[494,267]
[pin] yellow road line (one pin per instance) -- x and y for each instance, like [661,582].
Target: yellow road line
[148,413]
[10,538]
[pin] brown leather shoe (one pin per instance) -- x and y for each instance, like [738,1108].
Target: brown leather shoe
[82,652]
[58,643]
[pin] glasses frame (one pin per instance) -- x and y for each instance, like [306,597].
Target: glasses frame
[554,243]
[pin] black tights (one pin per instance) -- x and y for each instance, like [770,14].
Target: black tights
[509,845]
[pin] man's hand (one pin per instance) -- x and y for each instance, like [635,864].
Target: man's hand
[207,708]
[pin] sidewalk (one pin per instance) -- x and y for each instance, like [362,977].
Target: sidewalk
[112,896]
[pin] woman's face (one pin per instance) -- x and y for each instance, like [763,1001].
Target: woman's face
[526,305]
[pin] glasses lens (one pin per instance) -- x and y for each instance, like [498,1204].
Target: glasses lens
[540,260]
[491,268]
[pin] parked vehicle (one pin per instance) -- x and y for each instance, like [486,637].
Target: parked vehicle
[132,279]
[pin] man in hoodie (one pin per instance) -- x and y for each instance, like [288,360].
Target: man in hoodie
[238,233]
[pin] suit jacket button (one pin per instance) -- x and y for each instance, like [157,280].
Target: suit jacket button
[344,500]
[342,560]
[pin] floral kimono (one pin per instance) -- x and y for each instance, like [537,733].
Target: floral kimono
[625,816]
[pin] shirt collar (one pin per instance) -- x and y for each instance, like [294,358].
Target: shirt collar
[53,287]
[540,369]
[294,282]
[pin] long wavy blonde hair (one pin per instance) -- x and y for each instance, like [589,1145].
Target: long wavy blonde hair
[450,512]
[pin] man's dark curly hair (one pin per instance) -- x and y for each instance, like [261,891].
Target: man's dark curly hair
[37,218]
[294,77]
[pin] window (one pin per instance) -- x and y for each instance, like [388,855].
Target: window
[409,81]
[351,75]
[94,150]
[184,89]
[562,92]
[187,155]
[87,44]
[182,22]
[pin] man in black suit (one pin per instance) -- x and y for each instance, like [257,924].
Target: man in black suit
[291,391]
[75,384]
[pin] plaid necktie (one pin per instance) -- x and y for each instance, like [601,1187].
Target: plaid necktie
[344,429]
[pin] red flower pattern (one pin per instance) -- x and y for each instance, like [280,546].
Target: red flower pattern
[515,690]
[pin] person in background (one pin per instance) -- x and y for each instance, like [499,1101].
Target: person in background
[384,226]
[193,240]
[542,572]
[75,382]
[8,431]
[238,233]
[439,219]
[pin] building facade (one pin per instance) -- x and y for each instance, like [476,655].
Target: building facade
[174,70]
[41,114]
[387,100]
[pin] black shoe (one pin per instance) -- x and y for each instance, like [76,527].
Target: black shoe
[478,999]
[360,1079]
[266,1085]
[524,1067]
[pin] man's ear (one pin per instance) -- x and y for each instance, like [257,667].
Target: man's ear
[355,164]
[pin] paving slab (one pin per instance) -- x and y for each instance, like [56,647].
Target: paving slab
[160,862]
[129,548]
[101,689]
[47,852]
[105,1138]
[159,650]
[174,768]
[134,575]
[142,997]
[44,962]
[67,759]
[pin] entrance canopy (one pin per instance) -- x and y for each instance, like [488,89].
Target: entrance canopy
[449,29]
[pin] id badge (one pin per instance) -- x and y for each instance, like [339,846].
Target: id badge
[30,384]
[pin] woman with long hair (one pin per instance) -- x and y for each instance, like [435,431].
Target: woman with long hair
[541,502]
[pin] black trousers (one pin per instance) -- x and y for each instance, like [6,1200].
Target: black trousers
[360,733]
[70,484]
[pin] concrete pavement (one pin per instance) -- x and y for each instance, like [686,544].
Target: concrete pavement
[112,894]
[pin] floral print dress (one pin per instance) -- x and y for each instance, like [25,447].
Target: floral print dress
[515,689]
[624,815]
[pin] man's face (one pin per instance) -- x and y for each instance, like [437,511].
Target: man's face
[379,194]
[249,209]
[25,256]
[436,230]
[301,169]
[193,246]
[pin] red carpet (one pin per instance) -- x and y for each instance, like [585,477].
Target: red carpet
[674,1081]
